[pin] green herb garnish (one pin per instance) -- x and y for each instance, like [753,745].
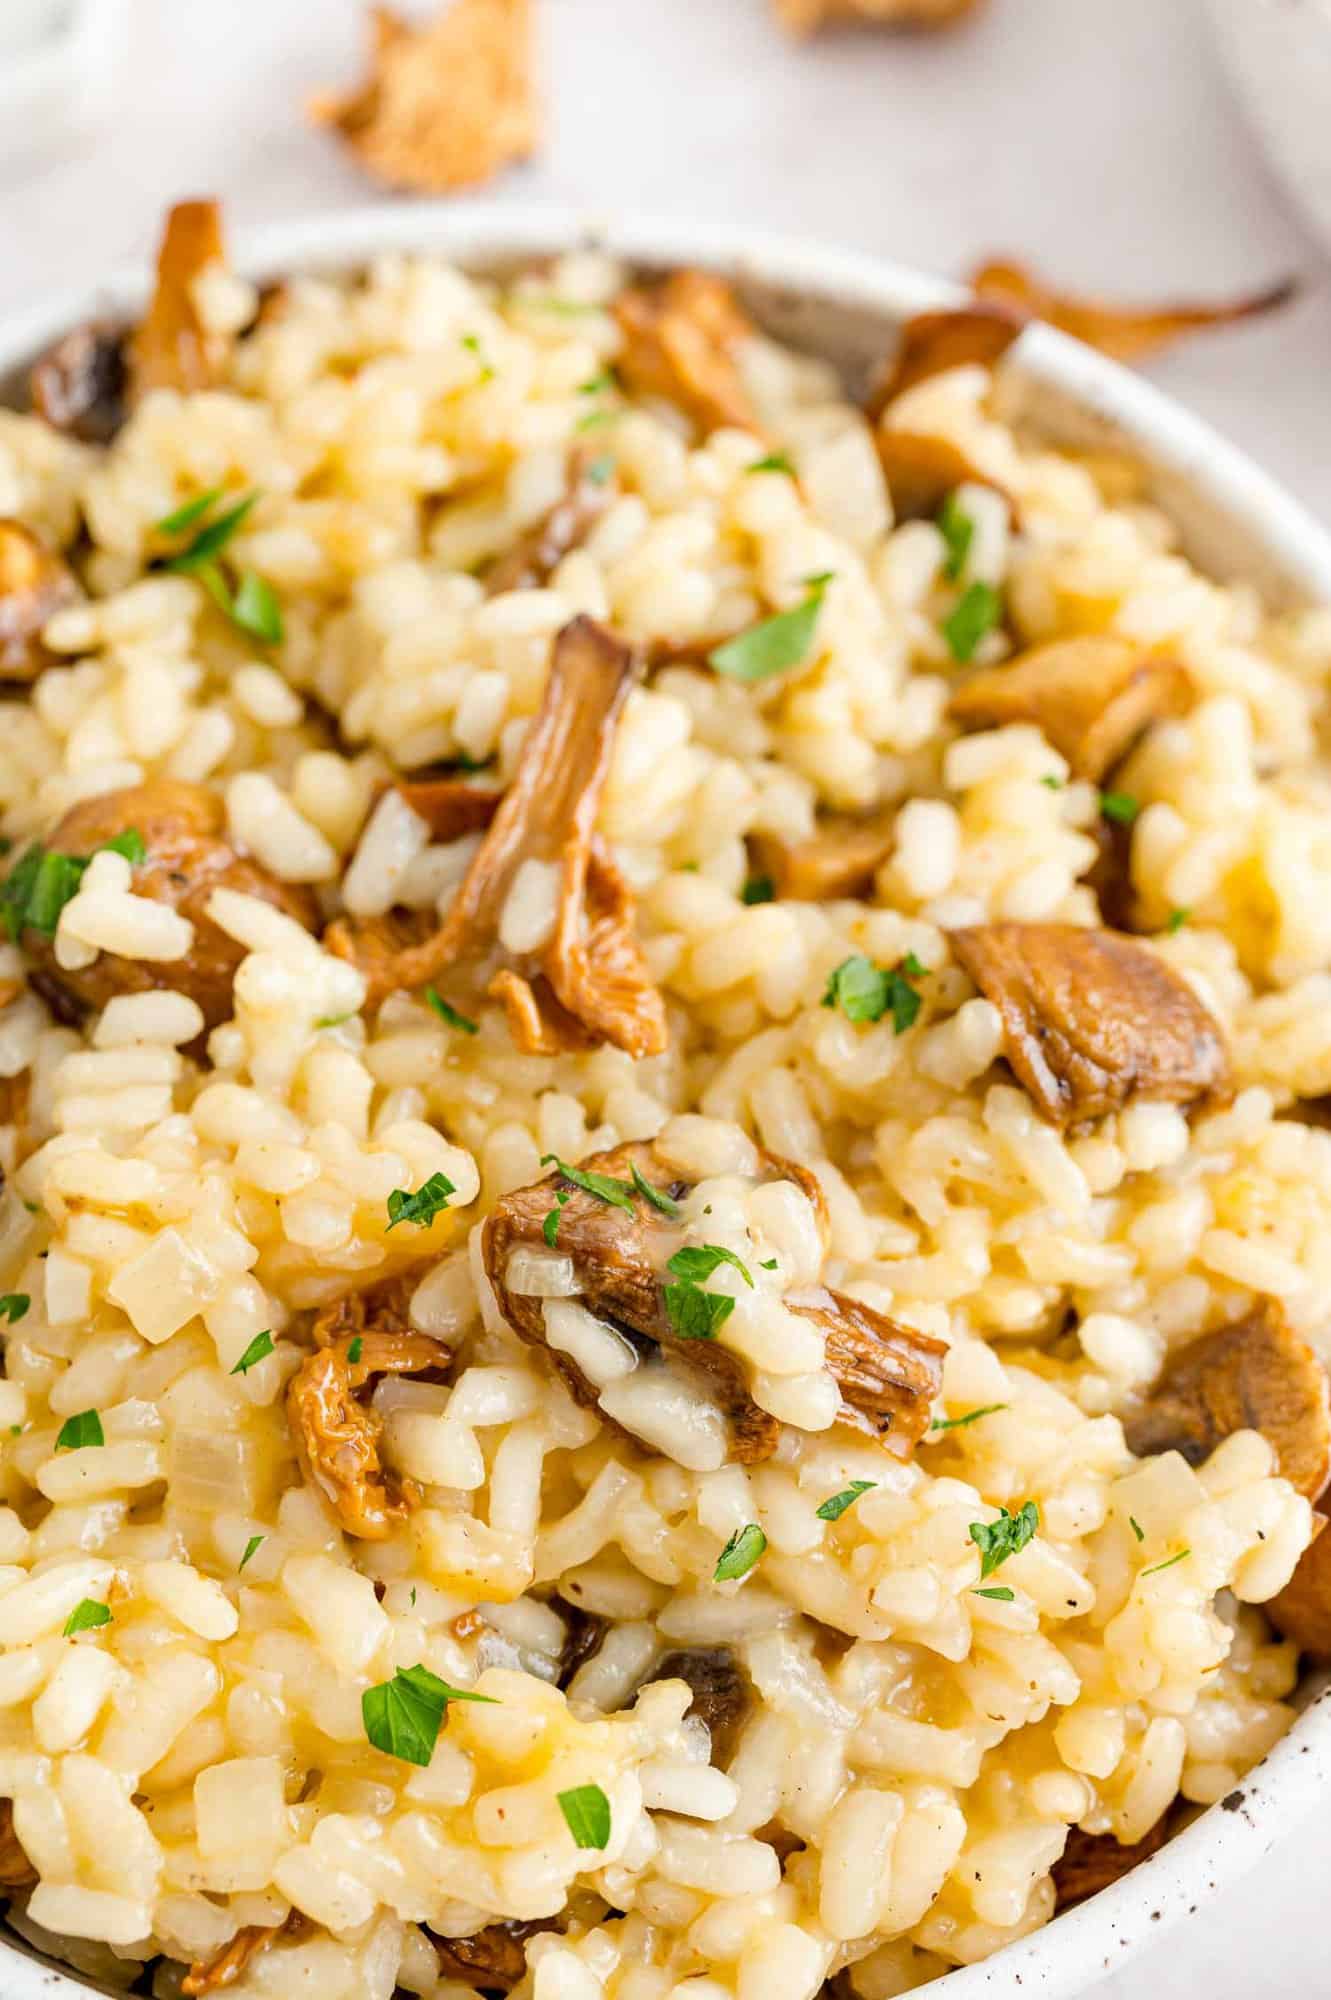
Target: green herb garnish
[1052,782]
[958,531]
[334,1020]
[250,602]
[740,1553]
[184,517]
[13,1305]
[355,1349]
[550,1227]
[998,1591]
[256,610]
[694,1313]
[693,1265]
[402,1716]
[472,343]
[252,1547]
[971,1417]
[865,991]
[1168,1563]
[1007,1536]
[422,1206]
[1177,919]
[586,1811]
[450,1015]
[1120,806]
[758,889]
[258,1350]
[211,539]
[76,1433]
[833,1509]
[1136,1527]
[606,1187]
[976,614]
[775,461]
[86,1616]
[600,470]
[664,1203]
[775,645]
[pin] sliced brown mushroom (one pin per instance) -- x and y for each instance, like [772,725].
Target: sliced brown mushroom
[1302,1610]
[337,1435]
[16,1871]
[187,857]
[535,556]
[588,982]
[1124,333]
[449,805]
[172,348]
[1091,697]
[974,335]
[722,1692]
[583,1633]
[214,1975]
[922,469]
[1094,1861]
[492,1960]
[80,385]
[840,858]
[805,17]
[888,1374]
[680,338]
[34,585]
[1256,1374]
[1093,1020]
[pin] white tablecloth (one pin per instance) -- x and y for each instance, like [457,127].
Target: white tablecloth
[1096,136]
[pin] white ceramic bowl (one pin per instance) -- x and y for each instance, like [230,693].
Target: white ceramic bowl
[1235,521]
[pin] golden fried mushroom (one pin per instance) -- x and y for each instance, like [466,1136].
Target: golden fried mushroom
[680,338]
[173,348]
[1093,1020]
[1091,697]
[80,385]
[975,335]
[1256,1374]
[1125,333]
[1094,1861]
[1302,1610]
[214,1975]
[535,556]
[187,856]
[491,1960]
[805,17]
[840,857]
[34,585]
[447,104]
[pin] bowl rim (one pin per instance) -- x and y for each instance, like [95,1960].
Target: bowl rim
[1063,1957]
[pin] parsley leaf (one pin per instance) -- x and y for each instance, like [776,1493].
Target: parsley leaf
[740,1553]
[1007,1536]
[80,1431]
[1052,782]
[769,1264]
[472,343]
[256,610]
[55,884]
[334,1020]
[775,461]
[13,1305]
[42,881]
[211,539]
[758,889]
[1136,1527]
[977,612]
[86,1616]
[252,1547]
[550,1227]
[694,1313]
[999,1591]
[865,991]
[586,1811]
[253,604]
[776,644]
[1120,806]
[606,1187]
[192,511]
[664,1203]
[833,1509]
[1168,1563]
[971,1417]
[698,1263]
[1177,919]
[422,1206]
[258,1350]
[402,1716]
[355,1349]
[958,531]
[450,1015]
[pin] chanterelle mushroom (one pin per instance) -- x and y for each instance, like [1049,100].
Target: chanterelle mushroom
[680,338]
[186,857]
[16,1871]
[535,556]
[887,1374]
[1256,1374]
[493,1959]
[1302,1610]
[1091,1861]
[975,335]
[1091,697]
[584,981]
[34,584]
[1128,333]
[839,858]
[1093,1019]
[224,1968]
[804,17]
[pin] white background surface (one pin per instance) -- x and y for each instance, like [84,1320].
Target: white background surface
[1097,137]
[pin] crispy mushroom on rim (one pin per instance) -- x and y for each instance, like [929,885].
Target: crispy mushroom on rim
[585,982]
[1093,1861]
[34,584]
[680,337]
[922,467]
[1125,333]
[1093,1020]
[887,1374]
[1090,697]
[805,17]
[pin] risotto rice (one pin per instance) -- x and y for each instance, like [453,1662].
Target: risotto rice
[380,1612]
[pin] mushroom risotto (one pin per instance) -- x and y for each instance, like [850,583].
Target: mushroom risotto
[667,1199]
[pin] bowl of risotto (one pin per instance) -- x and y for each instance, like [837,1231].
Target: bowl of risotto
[665,1029]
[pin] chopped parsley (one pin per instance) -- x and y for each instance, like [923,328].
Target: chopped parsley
[355,1350]
[41,882]
[694,1313]
[1168,1563]
[769,1264]
[586,1811]
[255,609]
[258,1350]
[86,1616]
[664,1203]
[758,889]
[1052,782]
[212,537]
[252,1547]
[776,644]
[450,1015]
[1177,919]
[971,1417]
[185,517]
[602,383]
[833,1509]
[1120,807]
[78,1432]
[550,1227]
[998,1591]
[248,599]
[698,1263]
[606,1187]
[740,1553]
[976,613]
[402,1717]
[334,1020]
[13,1305]
[601,470]
[472,343]
[958,531]
[775,461]
[422,1206]
[1136,1527]
[595,418]
[865,991]
[1007,1536]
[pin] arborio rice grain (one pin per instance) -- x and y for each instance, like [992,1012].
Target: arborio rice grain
[864,1751]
